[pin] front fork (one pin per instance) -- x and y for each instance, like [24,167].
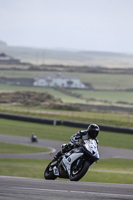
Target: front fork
[68,161]
[79,162]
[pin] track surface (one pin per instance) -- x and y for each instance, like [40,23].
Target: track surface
[105,152]
[14,188]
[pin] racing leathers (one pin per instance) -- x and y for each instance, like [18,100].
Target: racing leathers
[78,138]
[75,141]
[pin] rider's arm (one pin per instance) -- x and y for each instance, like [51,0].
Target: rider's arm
[96,140]
[75,138]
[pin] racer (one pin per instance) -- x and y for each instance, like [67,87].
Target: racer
[78,139]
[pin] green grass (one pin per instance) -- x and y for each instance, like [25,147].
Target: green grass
[114,164]
[65,98]
[62,133]
[22,167]
[111,171]
[110,96]
[97,80]
[108,81]
[114,168]
[103,177]
[17,148]
[35,169]
[106,118]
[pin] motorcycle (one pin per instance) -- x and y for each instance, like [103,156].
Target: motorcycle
[33,138]
[73,164]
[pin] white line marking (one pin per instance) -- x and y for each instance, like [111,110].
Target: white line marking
[111,171]
[72,191]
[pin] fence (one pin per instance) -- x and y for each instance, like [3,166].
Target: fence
[64,123]
[125,119]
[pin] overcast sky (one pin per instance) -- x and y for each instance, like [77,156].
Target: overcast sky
[98,25]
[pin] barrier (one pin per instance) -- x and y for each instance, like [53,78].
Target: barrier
[65,123]
[75,124]
[30,119]
[116,129]
[102,127]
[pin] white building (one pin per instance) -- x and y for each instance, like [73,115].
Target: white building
[58,80]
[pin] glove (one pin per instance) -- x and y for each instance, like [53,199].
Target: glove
[63,148]
[66,147]
[70,145]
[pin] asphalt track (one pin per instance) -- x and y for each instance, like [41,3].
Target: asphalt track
[54,146]
[14,188]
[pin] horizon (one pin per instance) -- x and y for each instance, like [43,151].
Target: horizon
[105,26]
[63,49]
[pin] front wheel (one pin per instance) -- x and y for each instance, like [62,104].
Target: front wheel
[78,173]
[48,173]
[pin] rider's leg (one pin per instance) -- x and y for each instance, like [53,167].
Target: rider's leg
[64,148]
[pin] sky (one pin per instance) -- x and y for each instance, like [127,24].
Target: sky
[90,25]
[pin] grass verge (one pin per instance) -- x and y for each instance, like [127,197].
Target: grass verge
[35,169]
[62,133]
[13,148]
[103,117]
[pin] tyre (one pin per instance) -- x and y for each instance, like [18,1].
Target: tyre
[78,172]
[48,173]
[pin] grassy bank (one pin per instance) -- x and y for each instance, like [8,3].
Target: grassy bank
[61,133]
[104,95]
[106,170]
[35,169]
[17,148]
[99,117]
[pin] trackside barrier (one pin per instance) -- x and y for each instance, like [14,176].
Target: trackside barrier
[102,127]
[116,129]
[54,122]
[30,119]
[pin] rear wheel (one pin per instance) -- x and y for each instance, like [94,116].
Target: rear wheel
[78,172]
[48,173]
